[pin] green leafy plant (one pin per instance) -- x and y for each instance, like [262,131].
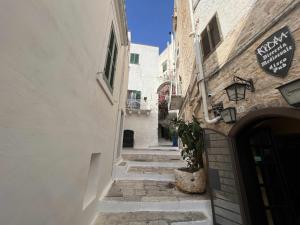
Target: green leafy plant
[191,135]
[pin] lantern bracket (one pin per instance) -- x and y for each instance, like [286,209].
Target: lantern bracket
[249,83]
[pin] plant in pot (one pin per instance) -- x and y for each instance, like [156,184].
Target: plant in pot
[191,179]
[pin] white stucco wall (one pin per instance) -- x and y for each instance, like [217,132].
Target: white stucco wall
[144,77]
[53,112]
[229,13]
[164,57]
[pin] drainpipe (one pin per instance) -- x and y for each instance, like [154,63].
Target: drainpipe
[169,74]
[199,66]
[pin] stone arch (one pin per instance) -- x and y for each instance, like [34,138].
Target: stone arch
[262,114]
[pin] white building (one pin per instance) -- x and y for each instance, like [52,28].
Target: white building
[142,118]
[61,104]
[228,14]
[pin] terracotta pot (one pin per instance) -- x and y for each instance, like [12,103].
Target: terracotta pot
[190,182]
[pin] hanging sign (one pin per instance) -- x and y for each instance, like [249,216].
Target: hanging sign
[275,54]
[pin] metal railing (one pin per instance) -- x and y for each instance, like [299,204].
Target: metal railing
[133,104]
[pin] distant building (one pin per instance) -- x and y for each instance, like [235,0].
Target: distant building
[183,44]
[142,98]
[63,83]
[245,90]
[169,90]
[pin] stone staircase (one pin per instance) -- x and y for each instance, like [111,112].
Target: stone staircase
[143,192]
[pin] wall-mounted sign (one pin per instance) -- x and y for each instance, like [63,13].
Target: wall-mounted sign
[291,92]
[276,53]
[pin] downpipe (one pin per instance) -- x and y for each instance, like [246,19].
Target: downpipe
[199,66]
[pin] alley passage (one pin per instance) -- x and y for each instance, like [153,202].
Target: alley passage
[144,193]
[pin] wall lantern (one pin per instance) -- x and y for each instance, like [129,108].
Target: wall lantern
[237,90]
[217,108]
[229,115]
[291,92]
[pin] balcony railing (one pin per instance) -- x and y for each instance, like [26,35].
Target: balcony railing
[133,104]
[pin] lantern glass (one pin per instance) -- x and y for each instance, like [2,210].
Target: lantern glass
[236,91]
[291,92]
[241,91]
[229,115]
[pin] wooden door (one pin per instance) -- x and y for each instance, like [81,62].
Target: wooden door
[225,196]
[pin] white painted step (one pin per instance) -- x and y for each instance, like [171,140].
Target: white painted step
[167,206]
[150,218]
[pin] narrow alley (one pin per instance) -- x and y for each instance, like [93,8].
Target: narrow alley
[144,193]
[149,112]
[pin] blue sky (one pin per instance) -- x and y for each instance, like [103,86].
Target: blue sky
[150,21]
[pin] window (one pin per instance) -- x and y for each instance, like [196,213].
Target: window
[134,99]
[210,37]
[134,58]
[165,66]
[111,58]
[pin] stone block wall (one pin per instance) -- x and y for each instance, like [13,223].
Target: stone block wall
[184,43]
[236,57]
[222,180]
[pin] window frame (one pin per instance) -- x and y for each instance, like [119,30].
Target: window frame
[135,57]
[165,66]
[113,59]
[136,100]
[210,38]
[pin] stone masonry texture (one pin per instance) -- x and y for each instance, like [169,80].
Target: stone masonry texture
[227,62]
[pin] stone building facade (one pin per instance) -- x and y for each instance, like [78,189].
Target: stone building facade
[142,117]
[264,136]
[183,44]
[61,107]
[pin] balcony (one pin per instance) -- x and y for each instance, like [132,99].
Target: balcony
[176,102]
[136,106]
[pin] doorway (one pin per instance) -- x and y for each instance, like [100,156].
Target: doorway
[128,139]
[267,152]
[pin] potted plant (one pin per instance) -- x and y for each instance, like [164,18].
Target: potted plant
[192,178]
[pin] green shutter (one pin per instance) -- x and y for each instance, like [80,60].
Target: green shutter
[111,59]
[134,58]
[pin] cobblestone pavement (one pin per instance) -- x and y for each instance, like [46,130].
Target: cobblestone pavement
[143,193]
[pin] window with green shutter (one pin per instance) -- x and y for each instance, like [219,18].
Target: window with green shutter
[134,58]
[111,60]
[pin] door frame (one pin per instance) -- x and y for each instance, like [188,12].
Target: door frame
[246,121]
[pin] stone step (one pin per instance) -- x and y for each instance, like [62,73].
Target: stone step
[151,170]
[120,171]
[153,148]
[151,218]
[161,206]
[154,167]
[151,156]
[148,191]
